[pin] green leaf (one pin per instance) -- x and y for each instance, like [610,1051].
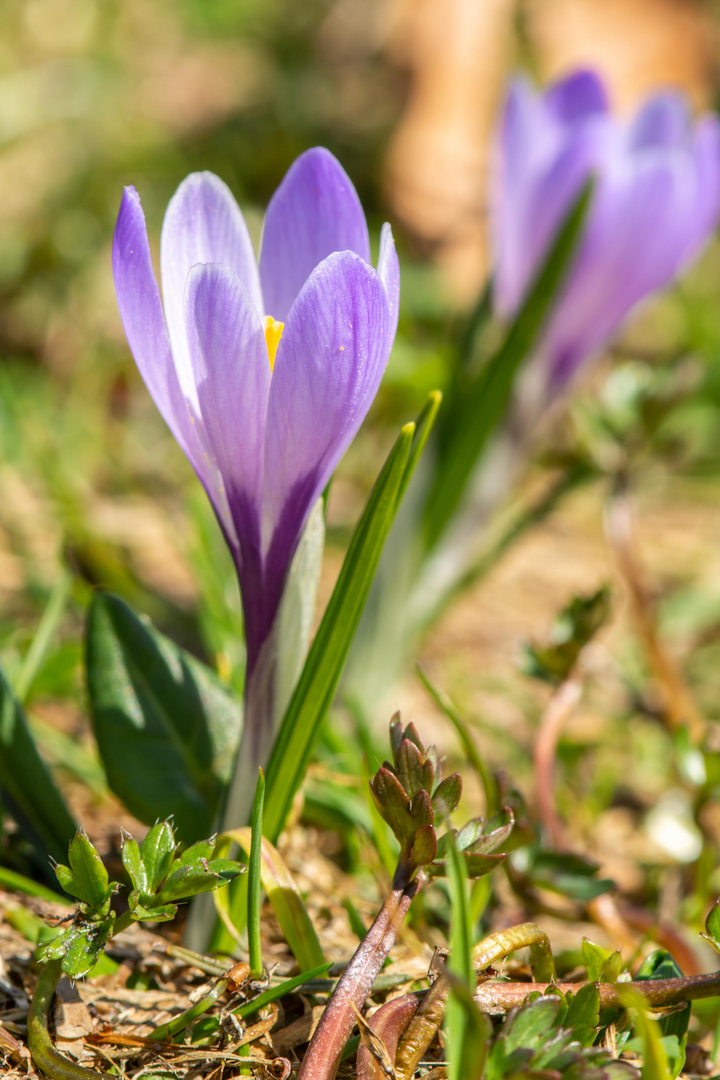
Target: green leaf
[166,728]
[599,962]
[133,863]
[79,947]
[583,1014]
[460,965]
[318,681]
[156,913]
[255,879]
[447,796]
[530,1026]
[26,786]
[203,849]
[479,402]
[285,899]
[156,851]
[190,880]
[661,965]
[86,878]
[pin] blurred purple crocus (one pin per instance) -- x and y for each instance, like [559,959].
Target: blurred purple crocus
[263,372]
[656,202]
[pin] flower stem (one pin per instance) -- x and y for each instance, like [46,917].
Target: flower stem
[325,1051]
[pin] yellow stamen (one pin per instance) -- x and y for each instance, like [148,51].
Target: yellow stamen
[273,333]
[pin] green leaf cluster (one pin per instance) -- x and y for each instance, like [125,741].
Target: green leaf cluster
[411,795]
[553,1035]
[161,875]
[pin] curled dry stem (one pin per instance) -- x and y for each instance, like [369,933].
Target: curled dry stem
[429,1015]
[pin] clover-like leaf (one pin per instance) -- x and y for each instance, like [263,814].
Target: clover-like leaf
[86,878]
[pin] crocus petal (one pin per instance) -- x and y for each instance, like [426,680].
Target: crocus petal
[328,368]
[313,213]
[631,247]
[142,318]
[706,204]
[203,224]
[389,272]
[576,97]
[231,371]
[663,122]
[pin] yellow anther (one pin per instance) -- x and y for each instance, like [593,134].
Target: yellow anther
[273,333]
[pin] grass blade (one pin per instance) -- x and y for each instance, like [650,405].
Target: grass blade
[255,879]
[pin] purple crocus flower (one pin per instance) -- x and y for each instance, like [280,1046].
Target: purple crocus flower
[656,202]
[265,372]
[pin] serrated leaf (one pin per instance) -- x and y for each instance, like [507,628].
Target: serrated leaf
[318,681]
[132,861]
[27,788]
[156,851]
[86,878]
[447,796]
[166,728]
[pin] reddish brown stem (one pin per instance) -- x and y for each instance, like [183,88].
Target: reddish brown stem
[499,997]
[559,707]
[388,1023]
[678,704]
[325,1050]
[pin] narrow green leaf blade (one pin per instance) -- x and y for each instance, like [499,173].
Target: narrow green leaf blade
[166,728]
[321,673]
[26,785]
[479,404]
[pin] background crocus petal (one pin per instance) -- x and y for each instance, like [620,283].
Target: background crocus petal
[576,97]
[231,370]
[663,122]
[328,368]
[314,212]
[203,224]
[389,272]
[706,204]
[542,168]
[632,246]
[142,318]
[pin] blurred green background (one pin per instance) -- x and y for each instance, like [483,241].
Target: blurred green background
[95,94]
